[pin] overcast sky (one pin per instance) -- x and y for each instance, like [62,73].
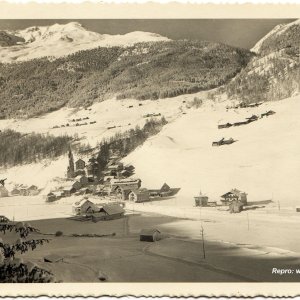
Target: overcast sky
[237,32]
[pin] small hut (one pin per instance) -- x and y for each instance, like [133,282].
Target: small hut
[150,235]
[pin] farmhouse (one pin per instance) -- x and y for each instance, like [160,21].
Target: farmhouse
[234,195]
[140,195]
[109,212]
[84,206]
[150,235]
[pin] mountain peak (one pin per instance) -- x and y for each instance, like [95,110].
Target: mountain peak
[63,39]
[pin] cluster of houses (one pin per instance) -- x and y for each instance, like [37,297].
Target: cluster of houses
[234,199]
[116,182]
[130,189]
[73,124]
[248,120]
[32,190]
[246,105]
[103,212]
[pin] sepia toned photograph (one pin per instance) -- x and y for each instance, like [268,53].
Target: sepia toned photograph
[149,150]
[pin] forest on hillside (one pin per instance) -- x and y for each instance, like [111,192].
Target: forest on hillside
[124,143]
[18,148]
[143,71]
[267,78]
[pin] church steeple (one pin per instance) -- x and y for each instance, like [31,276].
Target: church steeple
[71,168]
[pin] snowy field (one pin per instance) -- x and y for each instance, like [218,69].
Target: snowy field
[264,162]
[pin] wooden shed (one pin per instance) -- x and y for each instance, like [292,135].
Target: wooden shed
[150,235]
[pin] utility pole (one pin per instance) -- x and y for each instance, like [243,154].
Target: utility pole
[203,243]
[248,221]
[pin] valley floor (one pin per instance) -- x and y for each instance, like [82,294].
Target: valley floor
[233,252]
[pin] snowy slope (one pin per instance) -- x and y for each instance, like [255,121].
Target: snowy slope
[265,162]
[277,30]
[60,40]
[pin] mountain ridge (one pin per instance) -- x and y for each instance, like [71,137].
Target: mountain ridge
[60,40]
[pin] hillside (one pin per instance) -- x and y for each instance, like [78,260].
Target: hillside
[7,39]
[274,73]
[264,161]
[143,71]
[62,39]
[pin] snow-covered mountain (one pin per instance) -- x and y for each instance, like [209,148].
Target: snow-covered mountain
[59,40]
[276,33]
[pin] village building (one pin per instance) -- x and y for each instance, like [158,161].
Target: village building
[125,173]
[125,184]
[234,195]
[15,192]
[50,197]
[84,206]
[235,207]
[108,178]
[150,235]
[109,212]
[82,179]
[201,200]
[76,185]
[80,164]
[33,190]
[140,195]
[3,191]
[68,190]
[93,169]
[58,194]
